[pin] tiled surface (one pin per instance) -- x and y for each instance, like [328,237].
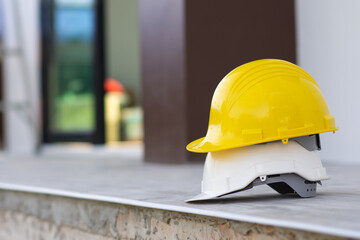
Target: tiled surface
[336,209]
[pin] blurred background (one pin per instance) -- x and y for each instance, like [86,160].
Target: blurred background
[73,73]
[137,74]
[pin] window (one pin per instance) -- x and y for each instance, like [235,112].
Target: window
[72,71]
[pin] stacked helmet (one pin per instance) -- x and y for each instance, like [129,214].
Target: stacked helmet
[264,101]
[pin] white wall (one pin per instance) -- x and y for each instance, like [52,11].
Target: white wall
[20,134]
[328,47]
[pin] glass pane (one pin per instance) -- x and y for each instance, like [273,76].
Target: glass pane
[71,92]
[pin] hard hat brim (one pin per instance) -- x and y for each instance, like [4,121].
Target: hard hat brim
[201,197]
[202,146]
[194,146]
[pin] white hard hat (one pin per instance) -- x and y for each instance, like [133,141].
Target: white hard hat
[287,168]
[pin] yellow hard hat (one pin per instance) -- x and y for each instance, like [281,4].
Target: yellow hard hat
[262,101]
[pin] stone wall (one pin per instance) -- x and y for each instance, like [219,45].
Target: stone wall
[36,216]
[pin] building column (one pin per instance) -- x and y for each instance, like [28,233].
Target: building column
[187,48]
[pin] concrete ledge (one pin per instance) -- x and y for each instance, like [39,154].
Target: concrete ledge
[129,182]
[40,216]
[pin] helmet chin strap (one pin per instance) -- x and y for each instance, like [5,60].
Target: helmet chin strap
[289,183]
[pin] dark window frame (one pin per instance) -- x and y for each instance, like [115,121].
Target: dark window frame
[97,136]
